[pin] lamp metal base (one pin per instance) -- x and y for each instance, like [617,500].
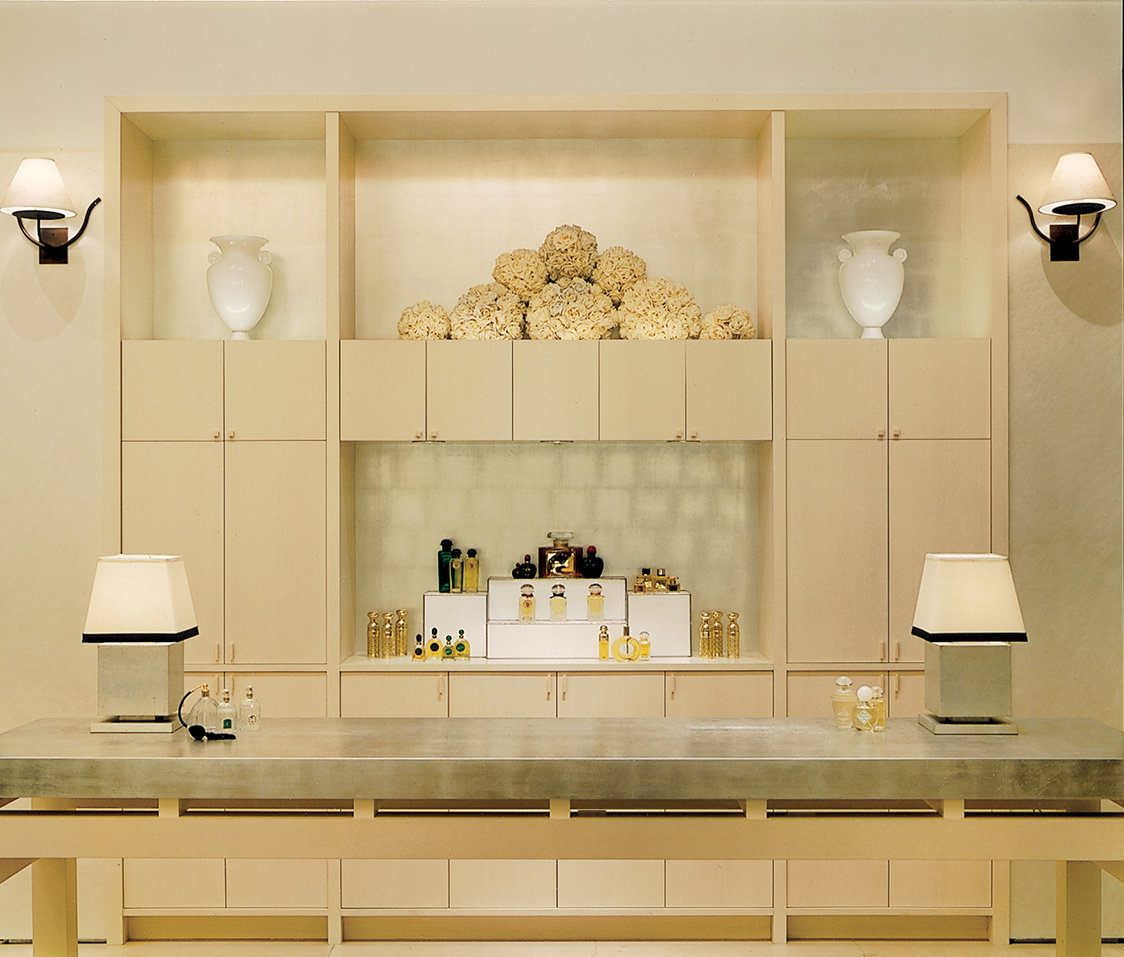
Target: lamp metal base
[938,725]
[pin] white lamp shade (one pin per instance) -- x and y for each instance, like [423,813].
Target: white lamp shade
[38,192]
[968,598]
[1077,187]
[140,598]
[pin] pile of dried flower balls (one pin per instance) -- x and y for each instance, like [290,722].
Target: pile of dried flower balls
[565,289]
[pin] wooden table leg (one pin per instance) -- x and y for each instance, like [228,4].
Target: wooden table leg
[54,907]
[1079,909]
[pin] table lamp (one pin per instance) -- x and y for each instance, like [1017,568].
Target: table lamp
[968,614]
[139,617]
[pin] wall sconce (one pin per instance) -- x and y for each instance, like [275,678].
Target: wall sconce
[140,614]
[37,192]
[1077,188]
[968,614]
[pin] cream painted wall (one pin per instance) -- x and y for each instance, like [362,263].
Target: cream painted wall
[1065,319]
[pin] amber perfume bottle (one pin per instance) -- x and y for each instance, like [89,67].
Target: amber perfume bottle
[595,602]
[461,648]
[603,643]
[879,703]
[644,642]
[560,558]
[472,571]
[419,648]
[863,716]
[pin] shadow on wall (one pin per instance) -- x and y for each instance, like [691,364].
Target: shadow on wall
[38,302]
[1100,303]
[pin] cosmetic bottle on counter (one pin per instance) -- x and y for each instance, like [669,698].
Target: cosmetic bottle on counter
[433,646]
[734,637]
[644,642]
[603,643]
[472,571]
[863,719]
[461,648]
[717,634]
[879,703]
[226,713]
[843,702]
[249,712]
[705,648]
[591,564]
[558,602]
[388,642]
[419,648]
[401,633]
[444,561]
[524,569]
[456,572]
[205,711]
[595,602]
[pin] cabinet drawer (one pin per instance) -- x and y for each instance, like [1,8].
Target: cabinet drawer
[610,696]
[394,696]
[502,884]
[165,884]
[940,883]
[700,695]
[838,884]
[610,884]
[714,884]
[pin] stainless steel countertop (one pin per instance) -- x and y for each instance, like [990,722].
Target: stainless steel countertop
[532,759]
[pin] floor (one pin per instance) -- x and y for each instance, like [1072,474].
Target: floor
[569,949]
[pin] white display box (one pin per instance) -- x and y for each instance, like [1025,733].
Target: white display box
[503,598]
[667,619]
[450,612]
[547,639]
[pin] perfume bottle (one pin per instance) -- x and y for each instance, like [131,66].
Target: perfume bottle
[717,638]
[373,633]
[249,712]
[603,643]
[205,711]
[456,572]
[843,701]
[558,602]
[524,569]
[447,650]
[559,559]
[401,632]
[444,560]
[705,649]
[595,602]
[644,642]
[226,713]
[387,650]
[433,646]
[734,637]
[419,648]
[461,647]
[472,571]
[527,603]
[591,565]
[879,702]
[863,719]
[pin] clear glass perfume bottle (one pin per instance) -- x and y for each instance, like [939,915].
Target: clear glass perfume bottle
[527,603]
[879,702]
[205,711]
[249,712]
[843,701]
[472,571]
[226,713]
[863,719]
[558,602]
[595,602]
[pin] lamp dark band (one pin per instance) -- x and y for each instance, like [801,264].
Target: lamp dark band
[969,637]
[138,637]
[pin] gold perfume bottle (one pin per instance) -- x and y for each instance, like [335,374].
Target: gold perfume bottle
[401,633]
[879,703]
[374,633]
[626,648]
[433,646]
[734,637]
[717,638]
[558,602]
[644,642]
[603,643]
[461,647]
[595,602]
[387,650]
[527,603]
[863,715]
[705,649]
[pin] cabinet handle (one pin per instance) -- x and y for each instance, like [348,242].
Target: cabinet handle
[433,436]
[881,651]
[230,435]
[881,434]
[218,434]
[549,682]
[419,436]
[897,651]
[231,658]
[218,656]
[678,435]
[672,691]
[897,686]
[897,433]
[694,435]
[564,682]
[441,679]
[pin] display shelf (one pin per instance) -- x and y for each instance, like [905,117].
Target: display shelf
[360,663]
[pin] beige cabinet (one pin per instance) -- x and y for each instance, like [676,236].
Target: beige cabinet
[555,391]
[706,694]
[643,388]
[394,884]
[502,885]
[599,695]
[382,390]
[502,695]
[468,390]
[809,692]
[413,695]
[718,884]
[729,390]
[610,884]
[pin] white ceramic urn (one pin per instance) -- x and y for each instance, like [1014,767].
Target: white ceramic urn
[240,281]
[871,278]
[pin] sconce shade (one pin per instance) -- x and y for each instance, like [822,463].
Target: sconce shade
[140,598]
[1077,188]
[38,192]
[968,598]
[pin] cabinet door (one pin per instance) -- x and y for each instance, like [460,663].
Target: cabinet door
[276,883]
[916,884]
[394,883]
[502,696]
[715,884]
[905,696]
[837,553]
[836,388]
[276,604]
[275,390]
[172,504]
[171,390]
[610,696]
[610,884]
[394,696]
[502,885]
[642,390]
[382,390]
[283,695]
[468,391]
[160,883]
[693,694]
[838,883]
[940,388]
[940,501]
[555,391]
[729,390]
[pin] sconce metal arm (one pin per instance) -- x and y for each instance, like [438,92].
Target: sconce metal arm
[1047,239]
[38,240]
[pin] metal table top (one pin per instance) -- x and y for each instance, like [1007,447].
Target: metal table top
[516,759]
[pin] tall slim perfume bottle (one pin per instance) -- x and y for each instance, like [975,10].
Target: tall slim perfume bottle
[444,560]
[717,637]
[843,702]
[472,571]
[734,637]
[603,643]
[527,603]
[374,633]
[401,633]
[456,572]
[705,648]
[388,642]
[226,713]
[879,702]
[249,712]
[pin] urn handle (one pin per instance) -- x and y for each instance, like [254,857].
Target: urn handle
[900,255]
